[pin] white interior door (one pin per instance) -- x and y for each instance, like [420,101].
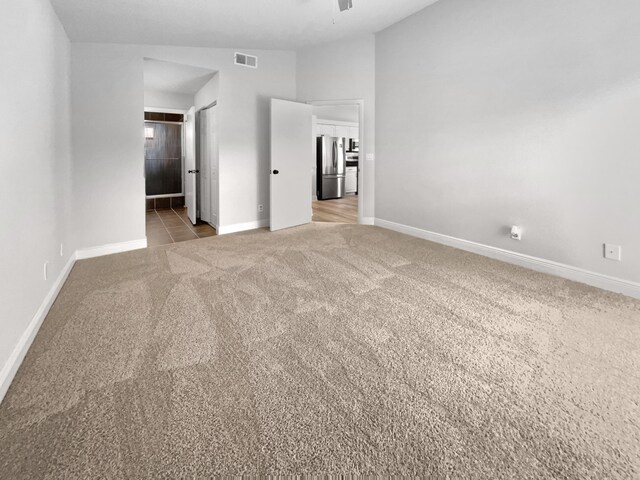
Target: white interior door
[291,149]
[212,122]
[204,165]
[190,174]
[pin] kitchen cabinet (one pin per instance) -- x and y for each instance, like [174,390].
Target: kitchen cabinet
[328,130]
[351,180]
[342,131]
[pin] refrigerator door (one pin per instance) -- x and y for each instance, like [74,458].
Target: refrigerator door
[340,156]
[323,154]
[332,187]
[330,156]
[331,167]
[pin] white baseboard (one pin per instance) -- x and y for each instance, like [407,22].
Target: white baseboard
[242,227]
[576,274]
[10,368]
[14,361]
[111,248]
[368,221]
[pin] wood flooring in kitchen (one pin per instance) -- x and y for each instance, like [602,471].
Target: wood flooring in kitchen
[340,210]
[172,225]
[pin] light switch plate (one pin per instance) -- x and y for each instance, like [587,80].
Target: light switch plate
[613,252]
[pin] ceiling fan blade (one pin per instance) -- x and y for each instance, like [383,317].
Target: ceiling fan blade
[345,4]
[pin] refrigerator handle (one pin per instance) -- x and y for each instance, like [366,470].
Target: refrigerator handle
[335,155]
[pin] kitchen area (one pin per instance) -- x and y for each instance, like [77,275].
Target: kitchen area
[335,182]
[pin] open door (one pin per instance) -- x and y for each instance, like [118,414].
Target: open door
[291,151]
[207,164]
[212,120]
[191,173]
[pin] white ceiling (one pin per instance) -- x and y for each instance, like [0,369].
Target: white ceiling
[265,24]
[174,77]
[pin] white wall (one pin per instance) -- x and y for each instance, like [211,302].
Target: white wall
[208,93]
[499,112]
[35,175]
[344,70]
[108,101]
[108,144]
[172,100]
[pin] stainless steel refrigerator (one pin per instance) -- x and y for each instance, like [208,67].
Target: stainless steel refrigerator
[331,165]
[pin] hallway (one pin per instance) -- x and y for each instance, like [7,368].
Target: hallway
[172,226]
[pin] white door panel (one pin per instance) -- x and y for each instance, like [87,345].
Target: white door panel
[212,120]
[291,149]
[203,164]
[190,174]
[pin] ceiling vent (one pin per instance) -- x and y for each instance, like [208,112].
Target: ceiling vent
[345,5]
[246,60]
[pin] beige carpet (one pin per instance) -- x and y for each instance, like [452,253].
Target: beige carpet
[325,349]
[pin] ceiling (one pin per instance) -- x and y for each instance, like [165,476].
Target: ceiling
[264,24]
[173,77]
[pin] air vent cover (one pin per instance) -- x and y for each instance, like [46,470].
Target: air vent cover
[246,60]
[345,5]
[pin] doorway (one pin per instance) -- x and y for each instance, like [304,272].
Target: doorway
[173,184]
[167,219]
[335,183]
[297,138]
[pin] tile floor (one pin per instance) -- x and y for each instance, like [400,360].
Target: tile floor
[172,226]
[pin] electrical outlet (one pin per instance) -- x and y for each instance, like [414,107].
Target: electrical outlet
[260,208]
[613,252]
[516,232]
[44,269]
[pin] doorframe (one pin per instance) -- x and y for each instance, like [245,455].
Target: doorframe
[362,190]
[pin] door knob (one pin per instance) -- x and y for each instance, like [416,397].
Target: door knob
[193,171]
[275,172]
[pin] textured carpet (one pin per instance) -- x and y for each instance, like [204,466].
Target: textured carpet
[337,349]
